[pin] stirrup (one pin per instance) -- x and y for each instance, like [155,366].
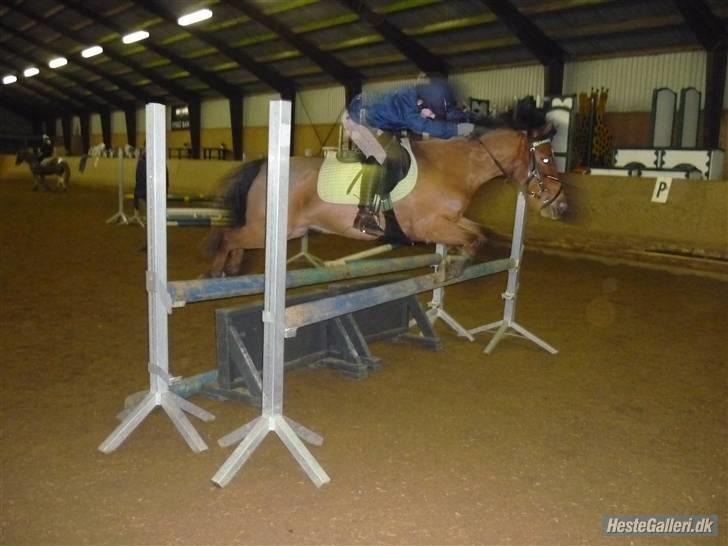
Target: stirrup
[366,222]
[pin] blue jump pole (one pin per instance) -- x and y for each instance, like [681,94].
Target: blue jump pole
[327,308]
[183,292]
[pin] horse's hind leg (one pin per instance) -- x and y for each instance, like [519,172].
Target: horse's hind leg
[227,249]
[234,262]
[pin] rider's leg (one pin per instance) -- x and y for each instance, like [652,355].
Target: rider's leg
[366,219]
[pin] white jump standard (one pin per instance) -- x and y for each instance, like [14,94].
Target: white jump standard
[159,304]
[503,327]
[272,418]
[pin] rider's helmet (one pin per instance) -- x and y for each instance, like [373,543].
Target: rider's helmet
[46,138]
[437,95]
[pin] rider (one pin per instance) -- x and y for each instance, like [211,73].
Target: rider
[427,107]
[46,148]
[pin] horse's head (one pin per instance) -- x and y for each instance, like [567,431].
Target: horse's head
[522,152]
[542,183]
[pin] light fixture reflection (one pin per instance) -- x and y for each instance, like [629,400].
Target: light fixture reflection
[135,36]
[58,62]
[194,17]
[92,51]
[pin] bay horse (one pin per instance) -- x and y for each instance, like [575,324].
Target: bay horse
[53,167]
[449,174]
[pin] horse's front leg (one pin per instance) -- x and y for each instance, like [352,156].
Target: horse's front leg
[464,235]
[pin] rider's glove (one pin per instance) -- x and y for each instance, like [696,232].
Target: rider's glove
[464,129]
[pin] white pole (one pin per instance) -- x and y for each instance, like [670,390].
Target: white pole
[159,303]
[274,327]
[120,217]
[510,296]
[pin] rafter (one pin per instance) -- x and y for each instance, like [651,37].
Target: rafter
[214,82]
[548,52]
[106,96]
[264,73]
[706,27]
[29,110]
[175,89]
[424,59]
[40,100]
[344,74]
[139,94]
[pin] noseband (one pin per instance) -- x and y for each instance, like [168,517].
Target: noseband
[533,172]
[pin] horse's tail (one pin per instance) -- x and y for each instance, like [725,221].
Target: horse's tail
[235,201]
[236,196]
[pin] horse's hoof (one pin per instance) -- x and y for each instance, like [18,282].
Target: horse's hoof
[452,267]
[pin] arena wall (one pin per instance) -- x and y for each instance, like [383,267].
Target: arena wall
[609,216]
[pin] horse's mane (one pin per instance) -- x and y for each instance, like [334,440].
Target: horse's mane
[522,117]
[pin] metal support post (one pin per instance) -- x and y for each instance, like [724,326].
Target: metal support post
[159,303]
[305,255]
[120,217]
[437,305]
[510,296]
[274,326]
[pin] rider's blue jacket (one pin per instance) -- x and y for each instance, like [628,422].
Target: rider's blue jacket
[398,110]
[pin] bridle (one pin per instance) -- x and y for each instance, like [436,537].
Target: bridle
[533,172]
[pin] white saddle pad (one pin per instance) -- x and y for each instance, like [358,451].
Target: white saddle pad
[335,178]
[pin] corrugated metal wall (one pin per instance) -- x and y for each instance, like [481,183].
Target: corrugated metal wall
[319,106]
[501,85]
[95,124]
[215,114]
[255,109]
[631,80]
[118,122]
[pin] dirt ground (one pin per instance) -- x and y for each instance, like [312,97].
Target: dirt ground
[453,447]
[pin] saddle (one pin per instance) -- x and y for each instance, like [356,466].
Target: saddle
[338,179]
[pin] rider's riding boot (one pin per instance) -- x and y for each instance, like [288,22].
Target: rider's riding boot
[366,219]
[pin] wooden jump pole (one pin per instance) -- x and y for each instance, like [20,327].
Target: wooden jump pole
[159,306]
[272,418]
[183,292]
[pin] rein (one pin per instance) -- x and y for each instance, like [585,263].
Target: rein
[533,172]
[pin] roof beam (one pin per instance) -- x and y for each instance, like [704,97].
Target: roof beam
[342,73]
[139,94]
[710,32]
[175,89]
[214,82]
[706,27]
[264,73]
[424,59]
[39,101]
[22,107]
[44,90]
[108,97]
[548,52]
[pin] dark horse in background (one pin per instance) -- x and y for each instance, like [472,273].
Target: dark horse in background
[52,167]
[517,147]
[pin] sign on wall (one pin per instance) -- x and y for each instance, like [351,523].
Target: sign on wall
[180,117]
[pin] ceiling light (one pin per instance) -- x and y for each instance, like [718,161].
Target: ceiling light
[9,79]
[58,62]
[30,72]
[92,51]
[135,36]
[194,17]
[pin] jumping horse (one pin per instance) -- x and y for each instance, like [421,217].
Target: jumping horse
[53,167]
[449,174]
